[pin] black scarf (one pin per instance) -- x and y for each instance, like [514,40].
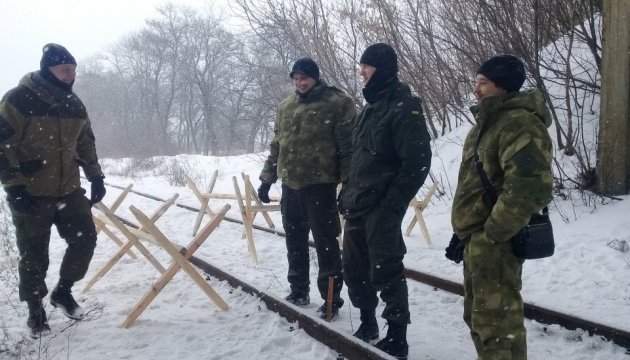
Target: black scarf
[380,80]
[50,77]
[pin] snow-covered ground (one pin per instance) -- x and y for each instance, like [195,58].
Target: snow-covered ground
[585,278]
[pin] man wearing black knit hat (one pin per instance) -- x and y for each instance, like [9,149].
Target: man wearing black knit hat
[511,143]
[311,152]
[45,134]
[391,160]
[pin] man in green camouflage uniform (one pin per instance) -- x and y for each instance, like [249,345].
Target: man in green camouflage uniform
[516,153]
[311,153]
[45,134]
[391,160]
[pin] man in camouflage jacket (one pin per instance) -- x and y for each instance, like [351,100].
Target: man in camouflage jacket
[311,153]
[516,152]
[390,161]
[45,134]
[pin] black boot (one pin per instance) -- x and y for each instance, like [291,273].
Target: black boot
[298,298]
[37,321]
[62,298]
[368,330]
[322,312]
[395,342]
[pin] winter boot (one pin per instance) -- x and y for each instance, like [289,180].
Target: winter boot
[37,321]
[322,312]
[61,298]
[298,298]
[395,342]
[368,330]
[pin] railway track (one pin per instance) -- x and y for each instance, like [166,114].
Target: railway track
[349,347]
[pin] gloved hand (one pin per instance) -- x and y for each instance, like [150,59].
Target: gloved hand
[32,166]
[98,190]
[20,199]
[263,192]
[455,250]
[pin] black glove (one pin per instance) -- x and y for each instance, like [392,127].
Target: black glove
[455,250]
[98,190]
[32,166]
[263,192]
[20,200]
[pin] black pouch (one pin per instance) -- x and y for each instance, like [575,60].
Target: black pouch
[535,241]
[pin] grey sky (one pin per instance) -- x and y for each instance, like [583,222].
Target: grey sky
[83,26]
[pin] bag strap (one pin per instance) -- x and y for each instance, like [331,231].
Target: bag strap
[491,194]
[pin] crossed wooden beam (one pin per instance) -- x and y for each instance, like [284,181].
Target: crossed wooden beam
[419,205]
[249,206]
[149,232]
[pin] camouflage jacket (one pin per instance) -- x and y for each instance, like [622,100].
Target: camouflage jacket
[516,152]
[392,153]
[45,134]
[312,141]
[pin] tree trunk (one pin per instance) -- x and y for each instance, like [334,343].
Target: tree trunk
[613,155]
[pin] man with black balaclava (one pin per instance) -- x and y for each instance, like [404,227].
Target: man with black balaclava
[310,152]
[391,159]
[45,135]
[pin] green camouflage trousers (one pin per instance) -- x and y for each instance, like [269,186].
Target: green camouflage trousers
[493,307]
[73,218]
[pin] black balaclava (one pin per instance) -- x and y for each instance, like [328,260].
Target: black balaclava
[384,59]
[55,54]
[505,71]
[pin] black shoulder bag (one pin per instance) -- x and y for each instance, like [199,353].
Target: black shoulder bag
[535,240]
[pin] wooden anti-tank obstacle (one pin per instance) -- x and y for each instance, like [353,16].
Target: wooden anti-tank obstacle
[249,206]
[180,256]
[418,206]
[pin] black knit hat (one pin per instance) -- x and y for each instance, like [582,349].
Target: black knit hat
[505,71]
[382,57]
[55,54]
[307,67]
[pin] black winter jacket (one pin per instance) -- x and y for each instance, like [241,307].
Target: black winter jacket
[392,153]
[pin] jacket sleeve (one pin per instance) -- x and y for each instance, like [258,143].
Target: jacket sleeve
[11,130]
[525,155]
[86,149]
[413,147]
[343,137]
[269,171]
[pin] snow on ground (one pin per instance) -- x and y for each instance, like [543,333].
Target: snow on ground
[585,278]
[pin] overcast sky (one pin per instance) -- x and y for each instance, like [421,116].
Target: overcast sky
[83,26]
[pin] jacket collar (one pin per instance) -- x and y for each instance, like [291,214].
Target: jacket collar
[47,91]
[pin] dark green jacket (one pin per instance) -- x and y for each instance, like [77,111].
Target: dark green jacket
[48,128]
[516,152]
[312,141]
[392,153]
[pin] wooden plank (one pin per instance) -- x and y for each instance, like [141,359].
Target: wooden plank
[247,222]
[120,198]
[130,236]
[117,240]
[213,180]
[258,204]
[205,208]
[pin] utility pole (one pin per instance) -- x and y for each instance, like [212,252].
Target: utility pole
[613,153]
